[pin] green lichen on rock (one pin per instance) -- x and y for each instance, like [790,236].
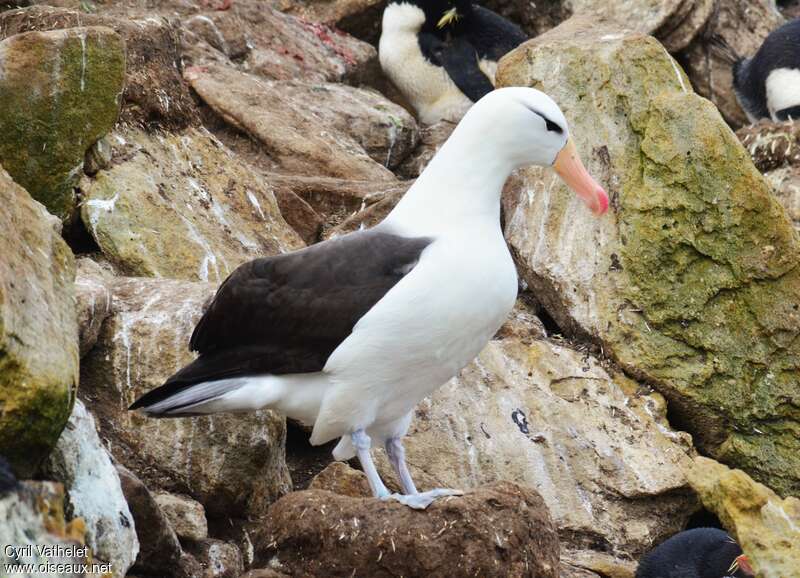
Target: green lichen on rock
[38,329]
[60,91]
[694,280]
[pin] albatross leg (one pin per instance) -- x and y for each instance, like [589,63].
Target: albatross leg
[362,443]
[412,498]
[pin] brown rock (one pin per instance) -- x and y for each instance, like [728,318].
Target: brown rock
[772,145]
[340,200]
[533,17]
[233,464]
[432,137]
[371,214]
[264,573]
[260,40]
[742,25]
[299,215]
[341,479]
[154,91]
[499,530]
[361,18]
[363,132]
[93,297]
[158,545]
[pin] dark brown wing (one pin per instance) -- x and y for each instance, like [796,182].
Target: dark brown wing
[288,313]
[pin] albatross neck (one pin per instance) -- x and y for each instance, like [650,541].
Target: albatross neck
[460,187]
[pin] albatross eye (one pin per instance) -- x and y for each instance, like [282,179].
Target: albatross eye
[551,126]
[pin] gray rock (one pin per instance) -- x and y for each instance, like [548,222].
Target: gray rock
[233,464]
[33,516]
[83,465]
[181,205]
[93,298]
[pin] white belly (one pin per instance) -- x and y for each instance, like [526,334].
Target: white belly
[424,331]
[783,90]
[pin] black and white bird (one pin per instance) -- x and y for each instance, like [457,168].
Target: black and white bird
[768,84]
[442,54]
[350,334]
[696,553]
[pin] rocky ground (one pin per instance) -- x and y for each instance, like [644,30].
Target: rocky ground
[646,382]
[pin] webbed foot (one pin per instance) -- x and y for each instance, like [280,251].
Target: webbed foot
[423,500]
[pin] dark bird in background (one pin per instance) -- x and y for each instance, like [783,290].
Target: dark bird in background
[442,54]
[697,553]
[768,84]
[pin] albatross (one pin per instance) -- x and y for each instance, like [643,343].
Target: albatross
[348,335]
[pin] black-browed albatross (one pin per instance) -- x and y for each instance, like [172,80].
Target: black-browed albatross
[350,334]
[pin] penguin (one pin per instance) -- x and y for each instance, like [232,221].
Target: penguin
[696,553]
[442,54]
[768,84]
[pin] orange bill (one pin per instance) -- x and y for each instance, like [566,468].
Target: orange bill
[569,167]
[743,564]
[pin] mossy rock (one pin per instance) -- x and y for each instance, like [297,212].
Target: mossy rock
[38,329]
[692,282]
[60,91]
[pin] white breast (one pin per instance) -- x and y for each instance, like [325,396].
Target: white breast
[783,90]
[422,333]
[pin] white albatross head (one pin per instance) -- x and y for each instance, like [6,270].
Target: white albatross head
[526,127]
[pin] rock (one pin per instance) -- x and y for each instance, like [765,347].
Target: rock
[264,573]
[217,559]
[767,528]
[155,93]
[363,132]
[340,200]
[372,213]
[299,215]
[94,301]
[262,41]
[674,22]
[785,183]
[31,517]
[772,145]
[341,479]
[432,137]
[600,453]
[691,282]
[180,205]
[82,464]
[61,92]
[159,546]
[186,516]
[533,17]
[742,26]
[233,464]
[361,18]
[38,329]
[500,530]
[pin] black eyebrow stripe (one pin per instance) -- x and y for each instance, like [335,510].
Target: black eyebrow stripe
[547,122]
